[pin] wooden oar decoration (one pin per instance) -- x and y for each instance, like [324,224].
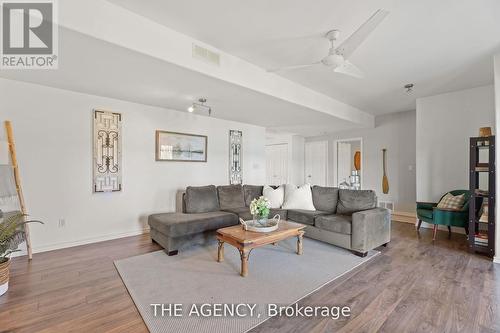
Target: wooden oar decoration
[385,180]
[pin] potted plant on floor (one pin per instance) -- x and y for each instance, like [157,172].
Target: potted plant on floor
[11,236]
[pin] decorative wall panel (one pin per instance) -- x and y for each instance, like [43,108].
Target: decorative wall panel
[107,151]
[235,157]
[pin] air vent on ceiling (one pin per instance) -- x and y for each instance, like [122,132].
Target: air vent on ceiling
[204,54]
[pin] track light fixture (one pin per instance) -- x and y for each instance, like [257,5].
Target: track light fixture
[200,105]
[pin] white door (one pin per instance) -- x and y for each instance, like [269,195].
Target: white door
[343,162]
[277,164]
[316,163]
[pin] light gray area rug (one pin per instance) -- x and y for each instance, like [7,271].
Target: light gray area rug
[277,275]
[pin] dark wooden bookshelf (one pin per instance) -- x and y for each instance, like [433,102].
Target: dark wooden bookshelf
[480,196]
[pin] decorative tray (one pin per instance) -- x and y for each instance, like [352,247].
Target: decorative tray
[258,226]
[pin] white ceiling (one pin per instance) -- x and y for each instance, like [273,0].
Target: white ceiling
[439,46]
[96,67]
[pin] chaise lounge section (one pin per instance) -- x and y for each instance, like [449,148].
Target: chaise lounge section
[345,218]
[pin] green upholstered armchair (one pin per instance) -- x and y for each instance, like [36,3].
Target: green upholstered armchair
[428,212]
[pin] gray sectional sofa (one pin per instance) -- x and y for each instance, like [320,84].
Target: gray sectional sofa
[345,218]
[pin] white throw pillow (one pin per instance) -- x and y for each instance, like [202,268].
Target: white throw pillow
[298,197]
[275,196]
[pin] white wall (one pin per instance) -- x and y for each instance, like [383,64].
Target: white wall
[497,123]
[296,153]
[444,124]
[53,130]
[396,132]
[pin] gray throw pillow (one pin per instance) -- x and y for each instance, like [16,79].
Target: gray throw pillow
[251,192]
[231,196]
[352,201]
[325,198]
[201,199]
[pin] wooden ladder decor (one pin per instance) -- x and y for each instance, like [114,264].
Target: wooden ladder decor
[17,178]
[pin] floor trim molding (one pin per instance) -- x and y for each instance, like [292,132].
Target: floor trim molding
[63,245]
[405,217]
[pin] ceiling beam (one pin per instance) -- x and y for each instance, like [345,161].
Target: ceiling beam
[114,24]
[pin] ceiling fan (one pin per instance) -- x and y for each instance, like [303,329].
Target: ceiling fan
[337,56]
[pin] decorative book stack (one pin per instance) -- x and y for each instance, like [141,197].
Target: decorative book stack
[481,239]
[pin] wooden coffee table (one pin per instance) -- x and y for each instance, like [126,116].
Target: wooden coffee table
[246,241]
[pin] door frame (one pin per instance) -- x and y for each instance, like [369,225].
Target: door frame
[335,159]
[327,161]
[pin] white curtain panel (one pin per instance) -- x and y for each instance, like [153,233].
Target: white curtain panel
[4,152]
[8,192]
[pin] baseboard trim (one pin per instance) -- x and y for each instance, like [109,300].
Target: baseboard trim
[496,259]
[404,217]
[63,245]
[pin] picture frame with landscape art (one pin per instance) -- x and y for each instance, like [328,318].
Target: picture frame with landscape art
[181,147]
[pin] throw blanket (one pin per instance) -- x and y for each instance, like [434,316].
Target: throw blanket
[8,192]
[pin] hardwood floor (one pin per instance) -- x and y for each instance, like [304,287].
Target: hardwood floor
[415,285]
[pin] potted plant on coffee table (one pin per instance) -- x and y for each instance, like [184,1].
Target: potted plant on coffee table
[260,209]
[11,236]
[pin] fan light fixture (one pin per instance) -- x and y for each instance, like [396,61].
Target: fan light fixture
[200,105]
[338,56]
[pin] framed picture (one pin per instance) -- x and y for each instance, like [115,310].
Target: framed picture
[181,147]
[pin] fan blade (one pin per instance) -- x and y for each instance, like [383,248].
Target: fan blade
[348,68]
[292,67]
[359,36]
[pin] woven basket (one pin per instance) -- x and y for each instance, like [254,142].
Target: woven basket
[485,131]
[4,272]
